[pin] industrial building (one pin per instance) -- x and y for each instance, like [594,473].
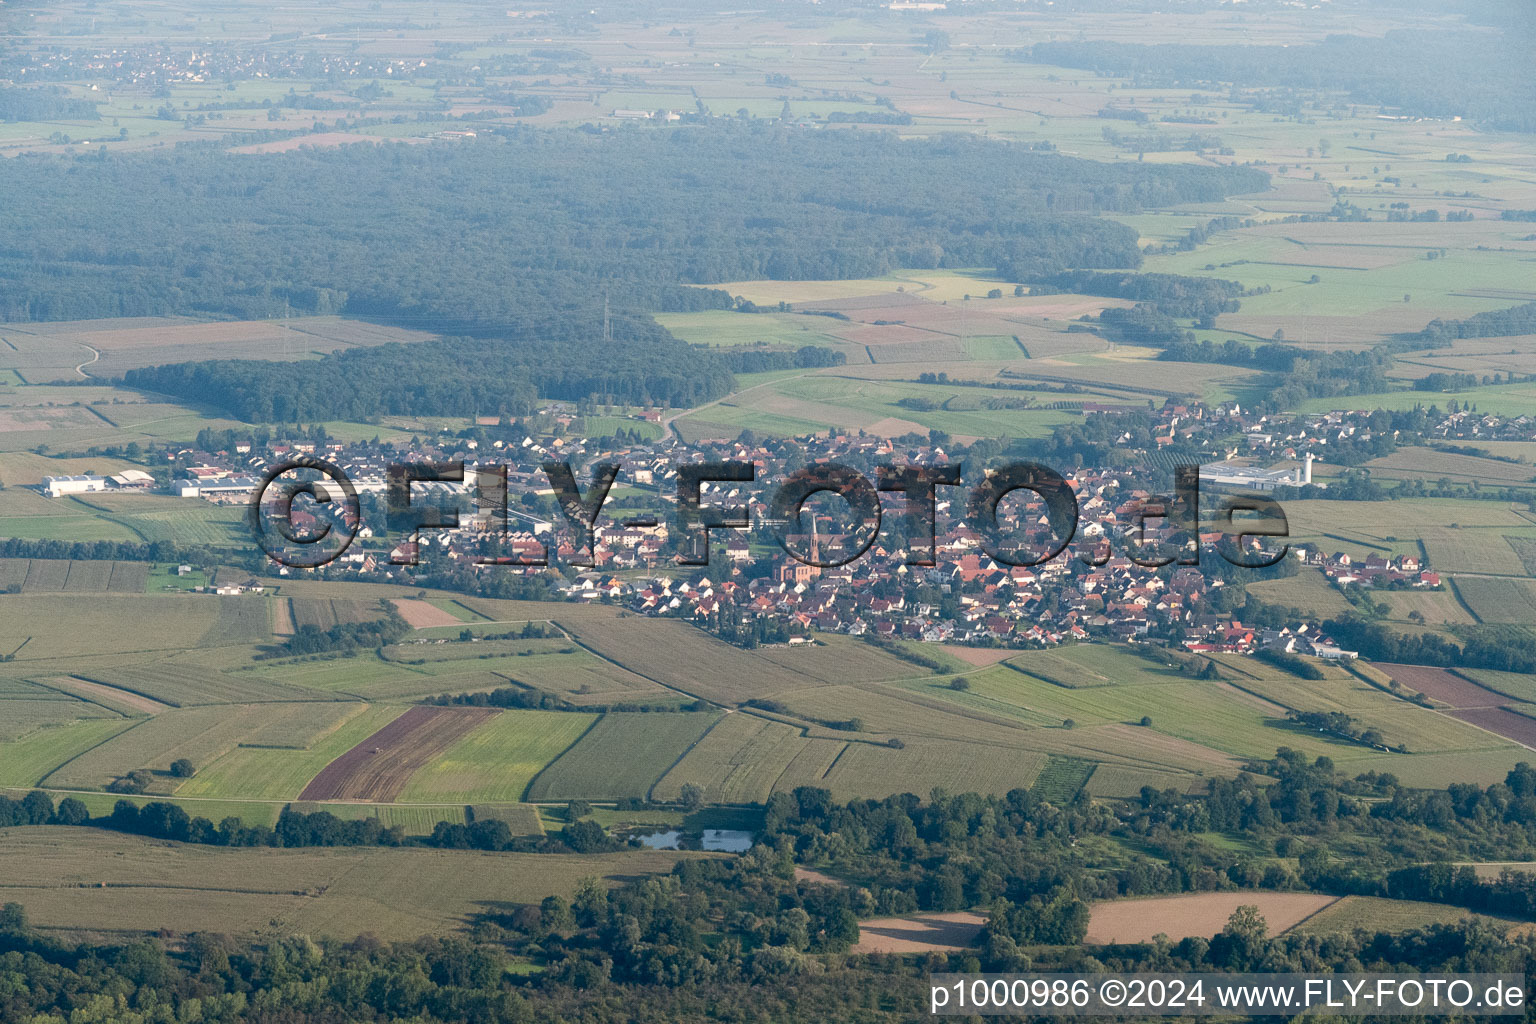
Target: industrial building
[1223,476]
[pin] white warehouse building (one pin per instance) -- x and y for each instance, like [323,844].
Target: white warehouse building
[58,486]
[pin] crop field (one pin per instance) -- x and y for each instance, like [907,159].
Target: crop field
[623,755]
[858,401]
[26,761]
[1511,601]
[1198,915]
[1061,779]
[152,341]
[1433,607]
[1402,723]
[424,614]
[1308,590]
[738,761]
[496,762]
[681,657]
[875,771]
[838,659]
[415,819]
[323,613]
[1089,665]
[201,735]
[583,678]
[267,773]
[522,819]
[1376,914]
[379,767]
[182,685]
[731,328]
[77,576]
[87,880]
[1430,465]
[1512,684]
[1458,535]
[362,675]
[26,712]
[1115,781]
[912,708]
[74,626]
[1446,688]
[409,653]
[950,932]
[1454,551]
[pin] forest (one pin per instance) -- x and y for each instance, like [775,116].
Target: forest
[534,223]
[1172,294]
[1477,75]
[45,104]
[643,364]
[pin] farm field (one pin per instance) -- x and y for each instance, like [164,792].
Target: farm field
[1308,590]
[201,735]
[1512,684]
[379,767]
[1196,915]
[266,773]
[1374,913]
[873,771]
[31,707]
[23,575]
[738,761]
[920,933]
[139,885]
[57,626]
[26,761]
[592,769]
[1500,601]
[846,398]
[1458,535]
[184,685]
[582,678]
[497,761]
[1431,466]
[681,657]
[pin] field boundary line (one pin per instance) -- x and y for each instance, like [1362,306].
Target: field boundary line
[136,722]
[1461,600]
[103,416]
[651,789]
[551,763]
[836,759]
[1332,903]
[1487,686]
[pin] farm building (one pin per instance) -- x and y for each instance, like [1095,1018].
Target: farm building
[58,486]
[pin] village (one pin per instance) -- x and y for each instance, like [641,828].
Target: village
[883,586]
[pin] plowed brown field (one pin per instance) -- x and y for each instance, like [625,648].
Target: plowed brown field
[379,767]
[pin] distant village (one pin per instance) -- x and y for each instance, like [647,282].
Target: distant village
[751,590]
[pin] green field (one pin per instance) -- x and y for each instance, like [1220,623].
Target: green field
[251,773]
[1506,601]
[496,762]
[27,761]
[740,760]
[623,755]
